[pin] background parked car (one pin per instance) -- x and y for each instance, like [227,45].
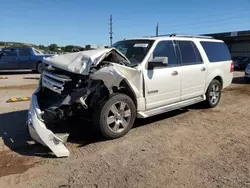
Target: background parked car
[21,58]
[240,62]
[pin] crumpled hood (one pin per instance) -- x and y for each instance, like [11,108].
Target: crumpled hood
[81,62]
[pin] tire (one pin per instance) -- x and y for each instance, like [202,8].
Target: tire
[121,112]
[213,94]
[39,67]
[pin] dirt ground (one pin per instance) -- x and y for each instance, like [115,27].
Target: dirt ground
[189,148]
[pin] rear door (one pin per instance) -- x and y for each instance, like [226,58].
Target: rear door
[193,70]
[9,59]
[25,59]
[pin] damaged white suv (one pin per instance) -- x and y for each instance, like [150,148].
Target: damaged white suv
[137,78]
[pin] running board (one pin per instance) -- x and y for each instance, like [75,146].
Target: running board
[175,106]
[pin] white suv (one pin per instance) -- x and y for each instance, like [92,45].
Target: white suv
[137,78]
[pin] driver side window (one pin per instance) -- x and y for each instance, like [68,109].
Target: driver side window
[166,49]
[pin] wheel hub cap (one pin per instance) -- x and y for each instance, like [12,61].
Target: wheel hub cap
[214,94]
[119,117]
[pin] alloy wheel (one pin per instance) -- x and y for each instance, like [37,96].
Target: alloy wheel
[119,117]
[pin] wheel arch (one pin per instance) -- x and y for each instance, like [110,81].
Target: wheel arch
[126,89]
[219,78]
[217,74]
[37,62]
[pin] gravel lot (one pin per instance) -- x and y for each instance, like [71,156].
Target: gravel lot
[192,147]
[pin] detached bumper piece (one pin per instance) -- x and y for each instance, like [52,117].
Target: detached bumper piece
[41,134]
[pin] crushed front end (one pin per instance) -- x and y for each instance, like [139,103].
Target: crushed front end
[60,94]
[74,84]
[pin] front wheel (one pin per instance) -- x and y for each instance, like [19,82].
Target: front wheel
[213,94]
[115,117]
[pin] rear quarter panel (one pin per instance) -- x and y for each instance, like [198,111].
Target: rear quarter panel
[37,58]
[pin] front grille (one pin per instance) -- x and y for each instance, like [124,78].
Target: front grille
[61,81]
[54,82]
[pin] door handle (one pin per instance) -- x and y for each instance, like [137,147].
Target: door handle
[174,73]
[203,68]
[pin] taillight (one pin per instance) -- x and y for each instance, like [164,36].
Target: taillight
[232,67]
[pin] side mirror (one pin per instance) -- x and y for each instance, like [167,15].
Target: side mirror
[158,62]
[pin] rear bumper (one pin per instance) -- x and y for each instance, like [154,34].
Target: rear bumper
[39,132]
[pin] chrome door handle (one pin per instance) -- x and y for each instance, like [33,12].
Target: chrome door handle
[203,69]
[174,73]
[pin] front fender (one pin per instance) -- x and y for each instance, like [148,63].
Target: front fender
[113,75]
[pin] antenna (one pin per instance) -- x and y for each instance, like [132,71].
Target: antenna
[111,29]
[157,29]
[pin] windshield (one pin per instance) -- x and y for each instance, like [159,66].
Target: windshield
[134,50]
[38,51]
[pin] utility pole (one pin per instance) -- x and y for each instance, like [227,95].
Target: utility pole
[157,29]
[110,30]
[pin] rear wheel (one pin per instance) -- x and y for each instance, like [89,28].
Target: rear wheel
[39,67]
[115,117]
[213,94]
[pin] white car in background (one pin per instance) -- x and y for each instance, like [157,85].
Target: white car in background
[137,78]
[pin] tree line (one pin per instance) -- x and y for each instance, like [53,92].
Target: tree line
[55,48]
[52,47]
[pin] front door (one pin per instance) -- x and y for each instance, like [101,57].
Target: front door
[193,70]
[8,59]
[163,84]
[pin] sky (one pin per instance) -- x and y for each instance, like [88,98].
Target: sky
[81,22]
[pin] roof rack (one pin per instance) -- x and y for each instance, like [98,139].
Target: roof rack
[180,35]
[190,36]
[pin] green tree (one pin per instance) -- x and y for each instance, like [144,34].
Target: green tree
[41,47]
[68,48]
[53,47]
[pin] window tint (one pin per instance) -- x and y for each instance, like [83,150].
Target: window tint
[166,49]
[216,51]
[189,53]
[24,52]
[10,52]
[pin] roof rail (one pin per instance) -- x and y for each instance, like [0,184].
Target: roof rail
[190,36]
[180,35]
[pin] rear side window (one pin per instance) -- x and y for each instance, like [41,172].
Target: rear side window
[189,53]
[216,51]
[24,52]
[10,52]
